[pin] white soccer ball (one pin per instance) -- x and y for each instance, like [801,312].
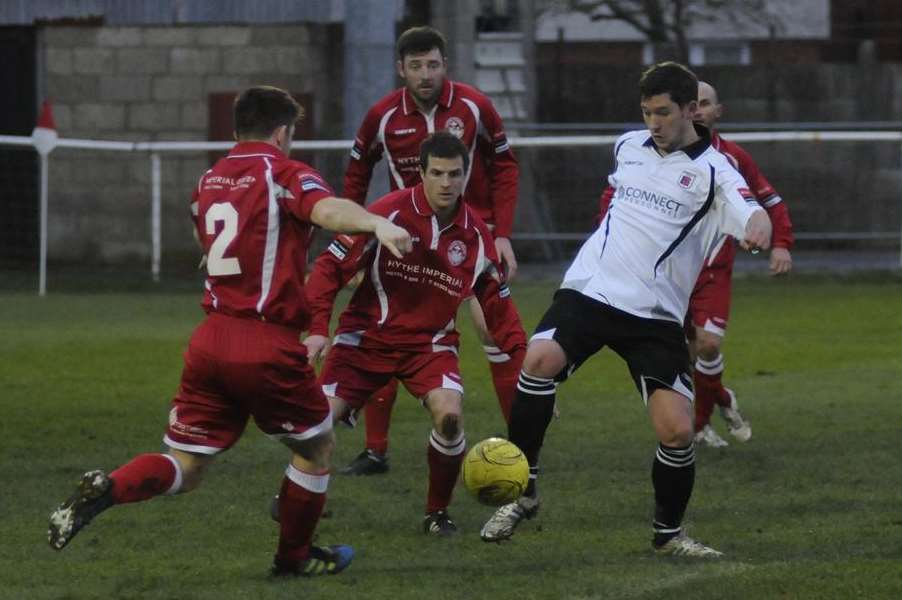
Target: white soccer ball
[495,471]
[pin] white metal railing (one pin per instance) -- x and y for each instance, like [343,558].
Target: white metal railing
[155,149]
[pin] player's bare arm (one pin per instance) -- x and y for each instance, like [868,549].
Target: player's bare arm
[506,255]
[345,216]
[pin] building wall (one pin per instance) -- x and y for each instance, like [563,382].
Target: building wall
[152,84]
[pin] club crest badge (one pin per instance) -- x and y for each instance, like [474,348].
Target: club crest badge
[457,252]
[686,180]
[455,127]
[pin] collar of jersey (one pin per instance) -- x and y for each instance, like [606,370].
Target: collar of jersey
[716,140]
[696,148]
[255,149]
[408,105]
[422,208]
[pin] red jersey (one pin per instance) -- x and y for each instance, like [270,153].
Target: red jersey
[761,188]
[411,303]
[252,214]
[395,127]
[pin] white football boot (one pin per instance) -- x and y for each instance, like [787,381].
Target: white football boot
[502,524]
[683,545]
[738,427]
[708,437]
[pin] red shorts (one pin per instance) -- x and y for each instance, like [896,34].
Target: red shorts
[238,368]
[709,305]
[353,374]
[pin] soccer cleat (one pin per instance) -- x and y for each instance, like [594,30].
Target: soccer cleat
[93,495]
[708,437]
[683,545]
[323,560]
[439,523]
[367,462]
[738,427]
[502,524]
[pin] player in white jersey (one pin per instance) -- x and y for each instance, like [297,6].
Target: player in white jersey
[628,288]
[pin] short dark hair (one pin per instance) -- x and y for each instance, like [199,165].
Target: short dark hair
[262,109]
[418,40]
[669,78]
[443,144]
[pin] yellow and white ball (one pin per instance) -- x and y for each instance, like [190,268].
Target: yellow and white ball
[495,471]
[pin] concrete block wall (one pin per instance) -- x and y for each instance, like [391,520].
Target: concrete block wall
[153,84]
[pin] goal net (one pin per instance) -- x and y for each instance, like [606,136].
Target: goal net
[118,211]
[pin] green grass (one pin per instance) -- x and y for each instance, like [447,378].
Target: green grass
[809,508]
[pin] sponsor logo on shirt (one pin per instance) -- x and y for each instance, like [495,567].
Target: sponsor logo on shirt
[404,131]
[457,252]
[416,273]
[184,429]
[455,127]
[658,202]
[220,181]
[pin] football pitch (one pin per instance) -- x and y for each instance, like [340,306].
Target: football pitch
[810,507]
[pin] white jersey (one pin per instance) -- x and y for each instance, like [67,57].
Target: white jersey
[662,222]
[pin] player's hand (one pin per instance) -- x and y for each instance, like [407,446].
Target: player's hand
[780,261]
[317,347]
[395,238]
[506,254]
[757,232]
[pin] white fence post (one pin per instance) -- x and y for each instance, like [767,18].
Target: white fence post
[155,215]
[42,269]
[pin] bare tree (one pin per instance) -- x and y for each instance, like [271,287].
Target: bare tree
[665,22]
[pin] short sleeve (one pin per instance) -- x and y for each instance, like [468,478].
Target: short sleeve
[306,188]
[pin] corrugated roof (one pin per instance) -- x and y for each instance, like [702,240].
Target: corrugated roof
[172,12]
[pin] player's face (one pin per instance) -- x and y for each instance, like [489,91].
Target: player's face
[423,75]
[667,122]
[443,182]
[709,109]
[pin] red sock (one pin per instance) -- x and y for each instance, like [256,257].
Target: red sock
[146,476]
[505,373]
[709,389]
[378,417]
[301,502]
[445,458]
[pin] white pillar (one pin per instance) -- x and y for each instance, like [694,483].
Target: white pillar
[155,216]
[42,269]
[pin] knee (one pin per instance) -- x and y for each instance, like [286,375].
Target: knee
[707,347]
[316,450]
[321,449]
[543,361]
[192,469]
[677,434]
[450,426]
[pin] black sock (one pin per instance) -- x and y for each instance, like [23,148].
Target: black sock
[673,475]
[530,415]
[531,485]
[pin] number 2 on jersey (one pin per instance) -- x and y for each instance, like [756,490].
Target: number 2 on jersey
[217,264]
